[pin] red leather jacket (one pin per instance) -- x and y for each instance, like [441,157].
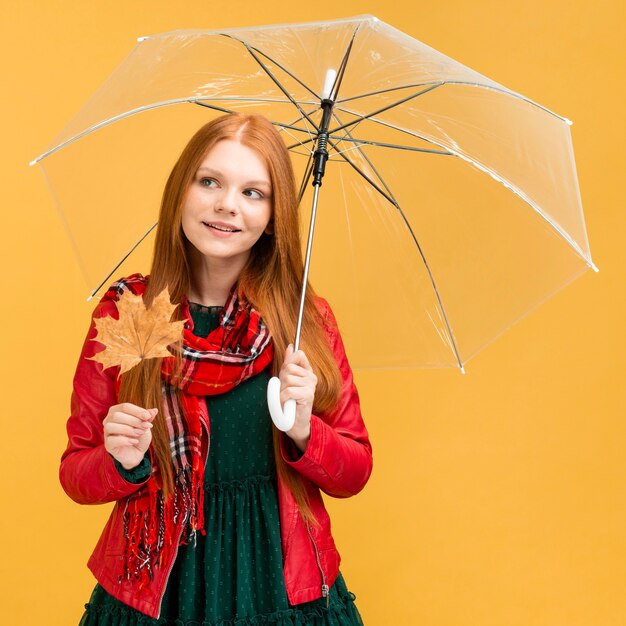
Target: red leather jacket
[337,460]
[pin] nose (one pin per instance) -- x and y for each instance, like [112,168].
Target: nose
[227,202]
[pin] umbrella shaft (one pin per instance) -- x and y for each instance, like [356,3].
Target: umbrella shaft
[321,156]
[307,263]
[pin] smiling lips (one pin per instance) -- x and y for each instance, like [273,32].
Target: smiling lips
[221,229]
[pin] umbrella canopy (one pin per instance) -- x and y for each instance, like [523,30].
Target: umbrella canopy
[450,207]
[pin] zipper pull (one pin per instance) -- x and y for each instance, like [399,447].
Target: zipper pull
[325,594]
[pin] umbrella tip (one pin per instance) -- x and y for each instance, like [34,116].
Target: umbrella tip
[594,267]
[462,369]
[34,161]
[568,122]
[140,39]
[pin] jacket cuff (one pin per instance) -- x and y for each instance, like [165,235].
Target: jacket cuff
[136,475]
[308,462]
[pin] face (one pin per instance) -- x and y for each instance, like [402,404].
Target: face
[228,205]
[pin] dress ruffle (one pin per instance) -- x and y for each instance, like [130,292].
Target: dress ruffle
[341,612]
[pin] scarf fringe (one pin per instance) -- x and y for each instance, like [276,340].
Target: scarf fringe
[150,532]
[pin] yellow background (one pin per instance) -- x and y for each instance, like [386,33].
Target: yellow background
[498,498]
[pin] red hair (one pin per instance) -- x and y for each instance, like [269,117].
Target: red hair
[271,280]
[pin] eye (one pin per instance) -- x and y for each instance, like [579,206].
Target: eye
[253,194]
[208,182]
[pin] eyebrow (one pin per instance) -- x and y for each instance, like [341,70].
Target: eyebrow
[256,183]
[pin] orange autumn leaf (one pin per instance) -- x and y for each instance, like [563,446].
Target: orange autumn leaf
[139,333]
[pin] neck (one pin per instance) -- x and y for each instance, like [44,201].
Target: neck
[212,280]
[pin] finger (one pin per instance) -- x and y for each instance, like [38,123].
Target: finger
[288,355]
[118,417]
[299,394]
[137,411]
[113,428]
[117,441]
[118,414]
[295,380]
[291,369]
[298,363]
[303,360]
[300,358]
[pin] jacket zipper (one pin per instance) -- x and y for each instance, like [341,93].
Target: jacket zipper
[169,570]
[325,588]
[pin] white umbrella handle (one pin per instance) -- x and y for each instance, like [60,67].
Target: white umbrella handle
[283,417]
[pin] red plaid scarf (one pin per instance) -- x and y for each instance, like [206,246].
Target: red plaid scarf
[240,347]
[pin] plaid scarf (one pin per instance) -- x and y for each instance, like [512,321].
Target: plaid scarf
[240,347]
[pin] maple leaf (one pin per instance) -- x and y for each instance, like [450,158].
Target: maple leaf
[139,334]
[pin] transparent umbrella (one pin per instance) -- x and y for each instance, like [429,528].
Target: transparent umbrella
[450,205]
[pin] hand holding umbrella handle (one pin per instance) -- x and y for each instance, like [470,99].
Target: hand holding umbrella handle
[283,417]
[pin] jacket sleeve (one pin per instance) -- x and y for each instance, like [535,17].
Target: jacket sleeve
[88,473]
[338,456]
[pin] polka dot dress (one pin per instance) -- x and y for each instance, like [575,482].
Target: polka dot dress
[233,576]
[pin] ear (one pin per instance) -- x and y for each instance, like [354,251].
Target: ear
[269,229]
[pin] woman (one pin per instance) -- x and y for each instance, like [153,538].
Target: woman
[240,535]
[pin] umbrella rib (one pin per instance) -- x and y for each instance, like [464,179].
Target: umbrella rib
[291,127]
[211,106]
[264,67]
[508,184]
[361,173]
[250,99]
[407,132]
[395,203]
[367,160]
[390,145]
[342,67]
[307,151]
[386,108]
[280,124]
[302,130]
[95,291]
[390,89]
[269,58]
[121,116]
[460,82]
[305,178]
[106,122]
[403,130]
[436,290]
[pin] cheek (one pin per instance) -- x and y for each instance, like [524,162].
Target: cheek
[187,221]
[190,207]
[267,218]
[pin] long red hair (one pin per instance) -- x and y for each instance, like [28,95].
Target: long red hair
[271,280]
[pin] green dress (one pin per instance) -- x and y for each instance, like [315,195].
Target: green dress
[233,576]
